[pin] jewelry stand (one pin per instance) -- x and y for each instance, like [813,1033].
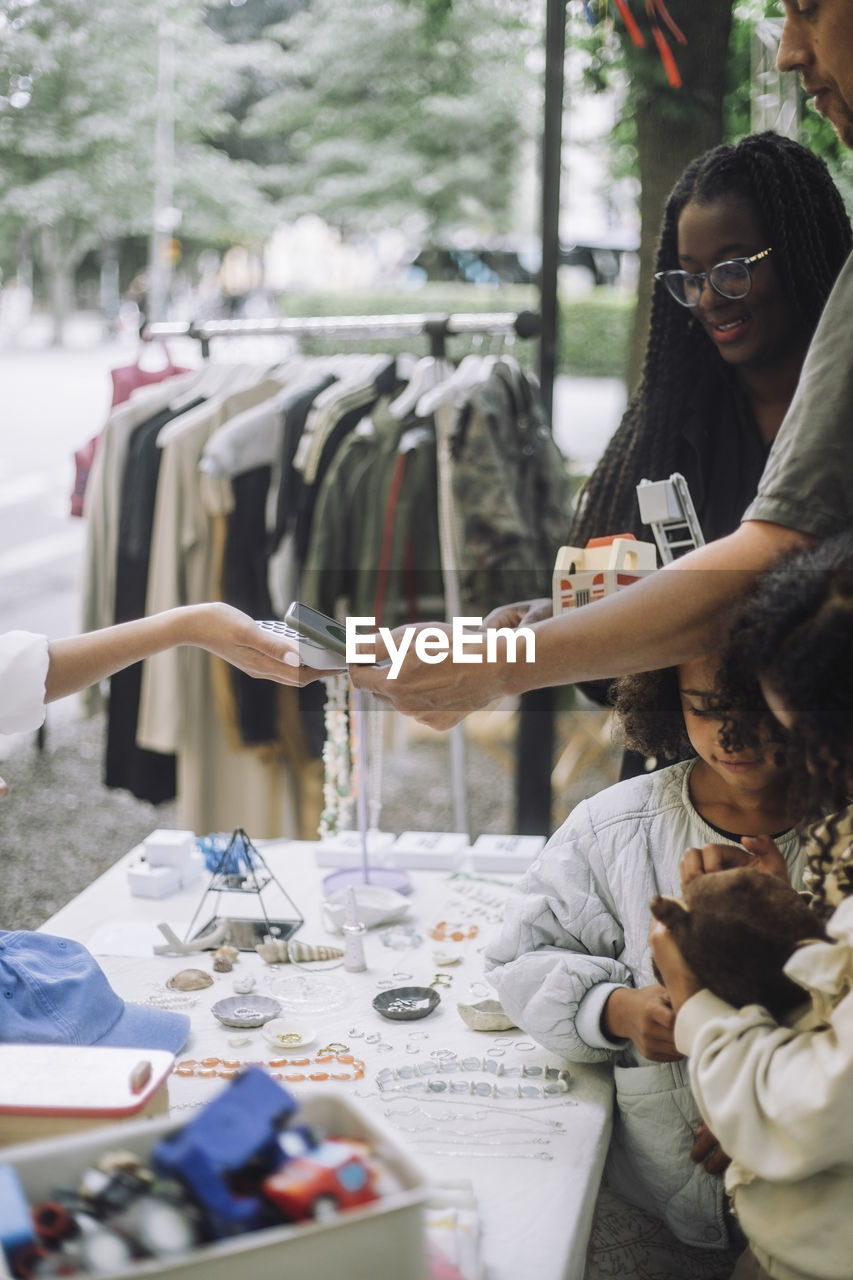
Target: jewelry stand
[242,869]
[387,877]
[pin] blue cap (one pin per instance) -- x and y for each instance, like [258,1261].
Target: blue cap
[53,991]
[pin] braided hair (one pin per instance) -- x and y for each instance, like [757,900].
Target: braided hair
[806,223]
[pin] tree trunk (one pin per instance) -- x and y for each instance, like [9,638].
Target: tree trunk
[673,126]
[60,262]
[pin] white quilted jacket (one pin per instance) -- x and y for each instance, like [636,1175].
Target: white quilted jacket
[576,926]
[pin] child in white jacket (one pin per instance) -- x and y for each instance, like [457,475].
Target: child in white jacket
[780,1099]
[572,965]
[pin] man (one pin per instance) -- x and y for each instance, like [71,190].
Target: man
[806,492]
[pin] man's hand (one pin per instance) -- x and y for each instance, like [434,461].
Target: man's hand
[438,694]
[759,852]
[643,1015]
[680,980]
[523,613]
[708,1152]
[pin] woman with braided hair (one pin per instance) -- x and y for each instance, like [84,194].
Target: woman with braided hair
[729,329]
[759,233]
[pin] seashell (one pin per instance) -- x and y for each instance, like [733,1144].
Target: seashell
[226,953]
[281,951]
[488,1015]
[244,984]
[221,964]
[446,958]
[190,980]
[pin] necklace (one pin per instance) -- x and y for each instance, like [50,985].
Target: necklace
[478,1112]
[337,780]
[491,1154]
[278,1068]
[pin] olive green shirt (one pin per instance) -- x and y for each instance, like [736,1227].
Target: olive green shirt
[808,481]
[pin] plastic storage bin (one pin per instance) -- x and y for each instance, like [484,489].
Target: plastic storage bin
[384,1239]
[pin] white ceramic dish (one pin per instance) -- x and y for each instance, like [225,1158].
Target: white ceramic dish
[285,1035]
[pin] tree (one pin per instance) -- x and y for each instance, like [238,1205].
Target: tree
[669,123]
[386,116]
[77,125]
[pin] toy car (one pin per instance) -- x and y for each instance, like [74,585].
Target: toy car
[233,1144]
[333,1176]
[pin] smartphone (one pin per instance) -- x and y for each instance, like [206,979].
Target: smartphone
[320,633]
[319,628]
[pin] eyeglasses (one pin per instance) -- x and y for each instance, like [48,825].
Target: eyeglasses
[732,279]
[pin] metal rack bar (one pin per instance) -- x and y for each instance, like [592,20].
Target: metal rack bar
[523,324]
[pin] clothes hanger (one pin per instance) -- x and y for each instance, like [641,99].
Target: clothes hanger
[471,371]
[428,373]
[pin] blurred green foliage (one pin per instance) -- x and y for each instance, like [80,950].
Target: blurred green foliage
[593,332]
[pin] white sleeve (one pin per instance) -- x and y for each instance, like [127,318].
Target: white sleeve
[554,964]
[23,671]
[777,1099]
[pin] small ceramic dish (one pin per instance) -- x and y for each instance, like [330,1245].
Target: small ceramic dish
[285,1035]
[405,1004]
[245,1011]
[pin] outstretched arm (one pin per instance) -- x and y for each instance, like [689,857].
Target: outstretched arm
[670,617]
[79,661]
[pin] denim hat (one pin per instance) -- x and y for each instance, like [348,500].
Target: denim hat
[53,991]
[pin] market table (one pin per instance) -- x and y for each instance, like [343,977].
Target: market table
[468,1105]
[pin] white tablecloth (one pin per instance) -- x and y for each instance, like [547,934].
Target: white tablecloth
[535,1163]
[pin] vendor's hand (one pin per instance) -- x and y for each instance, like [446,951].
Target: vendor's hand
[708,1152]
[759,852]
[238,639]
[643,1015]
[521,614]
[438,694]
[680,980]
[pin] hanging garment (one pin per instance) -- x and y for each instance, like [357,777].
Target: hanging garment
[510,491]
[219,787]
[125,380]
[148,775]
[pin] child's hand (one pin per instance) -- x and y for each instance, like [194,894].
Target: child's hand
[680,980]
[766,857]
[711,857]
[708,1152]
[759,852]
[645,1016]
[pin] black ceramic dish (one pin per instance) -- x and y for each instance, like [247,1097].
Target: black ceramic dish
[405,1004]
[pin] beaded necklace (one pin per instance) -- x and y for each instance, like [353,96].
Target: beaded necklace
[278,1068]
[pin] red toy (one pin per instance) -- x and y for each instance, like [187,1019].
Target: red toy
[333,1176]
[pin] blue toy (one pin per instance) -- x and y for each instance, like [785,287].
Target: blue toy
[234,1141]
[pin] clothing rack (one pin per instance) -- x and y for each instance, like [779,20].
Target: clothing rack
[437,327]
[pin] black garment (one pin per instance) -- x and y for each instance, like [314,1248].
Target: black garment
[721,456]
[149,775]
[295,408]
[245,586]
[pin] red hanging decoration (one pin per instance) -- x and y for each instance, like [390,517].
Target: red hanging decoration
[653,8]
[656,12]
[630,25]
